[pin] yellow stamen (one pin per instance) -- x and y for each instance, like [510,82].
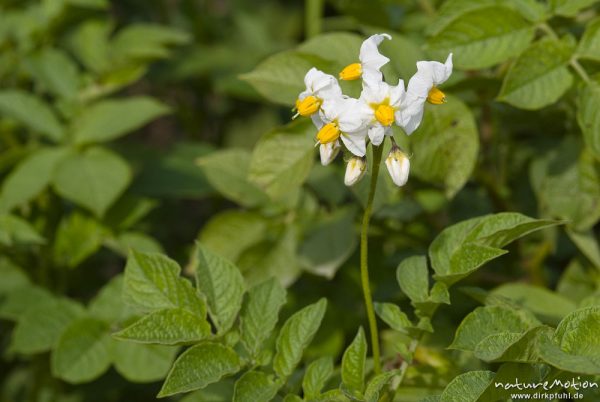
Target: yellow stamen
[308,105]
[351,72]
[384,114]
[328,133]
[436,96]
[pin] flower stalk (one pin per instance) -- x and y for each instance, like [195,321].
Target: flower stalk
[364,267]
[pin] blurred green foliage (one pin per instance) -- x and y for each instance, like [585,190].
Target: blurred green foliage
[148,125]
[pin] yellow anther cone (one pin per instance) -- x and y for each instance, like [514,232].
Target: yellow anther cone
[385,115]
[436,96]
[351,72]
[328,133]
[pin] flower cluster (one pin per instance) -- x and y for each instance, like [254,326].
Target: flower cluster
[352,122]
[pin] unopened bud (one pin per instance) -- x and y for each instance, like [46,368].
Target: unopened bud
[398,165]
[355,170]
[329,151]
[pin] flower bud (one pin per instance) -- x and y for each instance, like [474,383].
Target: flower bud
[355,170]
[329,151]
[398,166]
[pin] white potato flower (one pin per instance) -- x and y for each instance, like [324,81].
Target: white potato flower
[384,102]
[423,87]
[319,87]
[345,119]
[370,63]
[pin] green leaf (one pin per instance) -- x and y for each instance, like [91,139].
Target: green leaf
[94,179]
[146,41]
[282,159]
[167,327]
[14,230]
[316,376]
[567,185]
[56,71]
[588,119]
[260,313]
[30,177]
[269,260]
[90,43]
[483,37]
[32,112]
[545,304]
[152,282]
[199,366]
[231,232]
[221,391]
[467,387]
[353,364]
[16,302]
[77,238]
[82,352]
[575,345]
[377,384]
[13,277]
[446,146]
[490,320]
[280,78]
[569,8]
[222,285]
[539,76]
[227,172]
[588,244]
[142,363]
[511,346]
[394,317]
[254,386]
[462,248]
[110,119]
[413,278]
[338,47]
[40,327]
[108,304]
[450,10]
[329,244]
[292,398]
[295,335]
[589,45]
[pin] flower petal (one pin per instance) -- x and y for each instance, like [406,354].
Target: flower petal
[437,71]
[396,94]
[376,134]
[355,142]
[409,117]
[371,59]
[419,85]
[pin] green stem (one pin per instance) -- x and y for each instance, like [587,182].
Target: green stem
[364,268]
[573,62]
[313,17]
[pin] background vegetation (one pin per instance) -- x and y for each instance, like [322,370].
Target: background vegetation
[148,125]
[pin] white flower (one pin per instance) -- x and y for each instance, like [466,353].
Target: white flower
[355,170]
[319,87]
[384,103]
[371,60]
[398,166]
[347,119]
[422,87]
[329,151]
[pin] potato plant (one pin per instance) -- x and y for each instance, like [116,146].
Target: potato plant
[286,200]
